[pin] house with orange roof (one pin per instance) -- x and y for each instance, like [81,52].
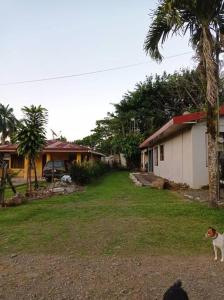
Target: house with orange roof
[178,151]
[54,150]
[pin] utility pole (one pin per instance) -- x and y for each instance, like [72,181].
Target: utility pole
[133,120]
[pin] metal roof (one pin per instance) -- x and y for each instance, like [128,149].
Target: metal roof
[174,125]
[54,146]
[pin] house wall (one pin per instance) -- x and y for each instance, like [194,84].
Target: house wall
[22,173]
[200,153]
[186,156]
[200,160]
[177,164]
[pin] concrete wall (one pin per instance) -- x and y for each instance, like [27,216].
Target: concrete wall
[199,149]
[177,164]
[185,156]
[200,153]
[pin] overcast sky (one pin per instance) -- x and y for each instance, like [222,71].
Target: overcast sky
[49,38]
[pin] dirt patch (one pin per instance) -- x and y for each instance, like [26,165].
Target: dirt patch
[109,277]
[200,195]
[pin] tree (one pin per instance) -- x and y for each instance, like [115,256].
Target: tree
[8,122]
[143,110]
[204,20]
[31,137]
[156,100]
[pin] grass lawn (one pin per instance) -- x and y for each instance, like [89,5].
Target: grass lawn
[21,188]
[111,217]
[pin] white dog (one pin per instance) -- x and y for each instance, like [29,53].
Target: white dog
[217,241]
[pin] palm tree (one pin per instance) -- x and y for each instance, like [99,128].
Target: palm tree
[204,20]
[8,122]
[31,137]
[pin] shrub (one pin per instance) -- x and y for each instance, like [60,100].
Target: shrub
[83,173]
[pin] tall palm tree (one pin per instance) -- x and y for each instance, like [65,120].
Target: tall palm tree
[8,122]
[31,137]
[204,20]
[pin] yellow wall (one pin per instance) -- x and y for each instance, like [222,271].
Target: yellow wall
[38,162]
[22,173]
[48,157]
[79,158]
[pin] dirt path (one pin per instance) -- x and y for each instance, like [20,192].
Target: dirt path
[56,277]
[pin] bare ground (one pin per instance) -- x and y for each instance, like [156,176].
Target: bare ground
[108,277]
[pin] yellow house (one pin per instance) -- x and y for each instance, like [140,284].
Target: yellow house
[54,150]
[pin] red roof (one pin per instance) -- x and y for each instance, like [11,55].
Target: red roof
[53,146]
[8,148]
[59,146]
[176,123]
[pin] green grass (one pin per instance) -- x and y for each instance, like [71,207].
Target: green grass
[111,217]
[21,189]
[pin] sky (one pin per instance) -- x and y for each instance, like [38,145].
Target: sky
[50,38]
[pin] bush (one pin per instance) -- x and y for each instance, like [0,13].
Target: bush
[83,173]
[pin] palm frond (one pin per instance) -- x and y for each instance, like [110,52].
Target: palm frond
[165,21]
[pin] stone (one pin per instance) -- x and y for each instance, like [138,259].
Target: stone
[58,190]
[158,183]
[14,255]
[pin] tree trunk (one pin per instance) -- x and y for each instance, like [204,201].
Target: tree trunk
[211,71]
[29,187]
[212,156]
[35,174]
[9,180]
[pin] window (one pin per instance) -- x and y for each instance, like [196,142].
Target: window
[17,161]
[161,152]
[156,156]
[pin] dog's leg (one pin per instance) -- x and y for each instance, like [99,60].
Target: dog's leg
[222,253]
[215,251]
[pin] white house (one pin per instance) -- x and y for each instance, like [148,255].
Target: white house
[178,151]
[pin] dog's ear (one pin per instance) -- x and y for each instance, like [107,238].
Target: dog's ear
[212,231]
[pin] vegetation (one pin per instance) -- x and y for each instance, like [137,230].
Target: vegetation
[204,20]
[8,122]
[31,137]
[145,109]
[112,217]
[84,173]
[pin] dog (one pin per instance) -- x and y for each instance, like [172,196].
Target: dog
[217,241]
[176,292]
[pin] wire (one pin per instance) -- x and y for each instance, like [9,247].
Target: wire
[87,73]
